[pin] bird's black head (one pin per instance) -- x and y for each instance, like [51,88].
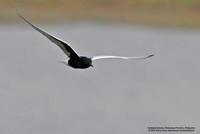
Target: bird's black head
[86,62]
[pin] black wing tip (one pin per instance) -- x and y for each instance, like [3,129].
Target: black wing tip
[19,15]
[22,17]
[150,56]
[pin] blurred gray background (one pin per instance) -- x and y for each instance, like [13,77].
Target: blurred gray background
[38,95]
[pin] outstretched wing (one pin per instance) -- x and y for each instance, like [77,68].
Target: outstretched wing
[120,57]
[64,46]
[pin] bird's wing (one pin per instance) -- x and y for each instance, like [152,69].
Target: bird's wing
[120,57]
[64,46]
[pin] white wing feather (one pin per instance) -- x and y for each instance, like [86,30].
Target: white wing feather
[120,57]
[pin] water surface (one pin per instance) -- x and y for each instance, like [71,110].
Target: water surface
[38,95]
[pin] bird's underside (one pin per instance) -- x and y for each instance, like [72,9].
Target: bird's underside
[76,61]
[82,63]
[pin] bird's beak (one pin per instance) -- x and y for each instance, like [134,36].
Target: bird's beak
[92,66]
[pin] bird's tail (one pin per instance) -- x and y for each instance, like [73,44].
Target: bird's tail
[63,62]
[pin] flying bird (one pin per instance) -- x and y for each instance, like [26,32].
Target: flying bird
[76,61]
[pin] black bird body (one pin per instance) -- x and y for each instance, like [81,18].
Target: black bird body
[81,63]
[76,61]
